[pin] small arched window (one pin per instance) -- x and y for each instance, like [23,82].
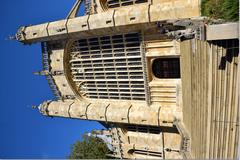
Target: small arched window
[166,68]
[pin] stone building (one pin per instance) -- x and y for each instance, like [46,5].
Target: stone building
[157,75]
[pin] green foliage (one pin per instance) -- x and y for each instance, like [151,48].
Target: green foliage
[89,148]
[221,9]
[231,10]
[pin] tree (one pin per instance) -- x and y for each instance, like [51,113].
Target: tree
[231,10]
[89,148]
[221,9]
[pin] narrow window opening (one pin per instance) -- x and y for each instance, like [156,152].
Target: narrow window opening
[166,68]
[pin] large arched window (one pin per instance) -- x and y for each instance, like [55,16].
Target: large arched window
[166,68]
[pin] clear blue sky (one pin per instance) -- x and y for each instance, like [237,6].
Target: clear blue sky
[24,132]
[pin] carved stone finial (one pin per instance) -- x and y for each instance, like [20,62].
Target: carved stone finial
[11,38]
[42,73]
[34,107]
[42,107]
